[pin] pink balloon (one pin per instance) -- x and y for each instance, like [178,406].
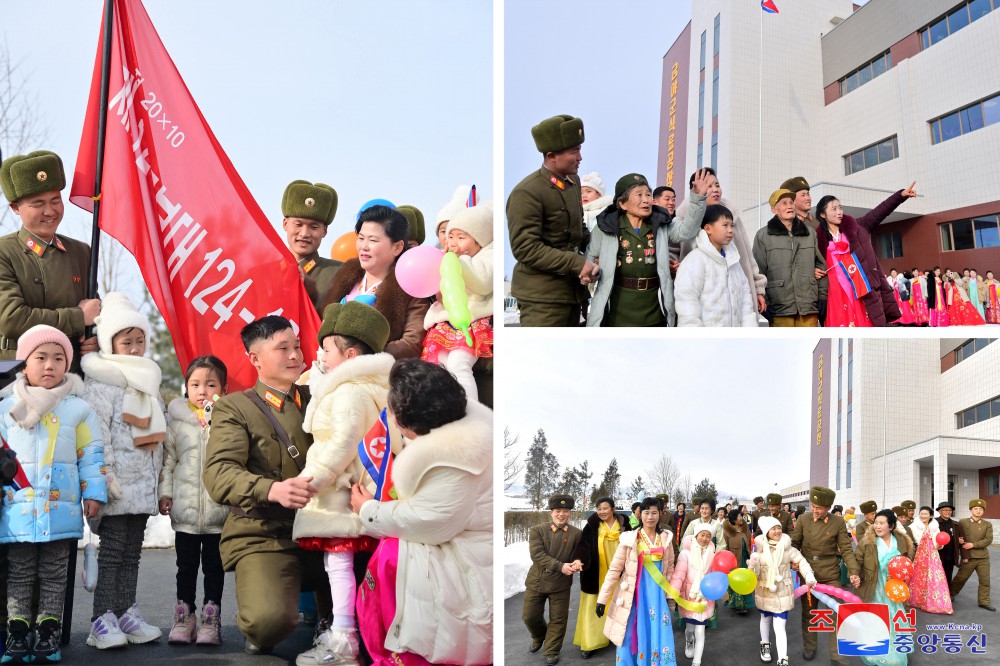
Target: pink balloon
[943,538]
[418,271]
[800,590]
[844,595]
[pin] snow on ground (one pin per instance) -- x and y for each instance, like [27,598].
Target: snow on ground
[516,562]
[511,503]
[159,534]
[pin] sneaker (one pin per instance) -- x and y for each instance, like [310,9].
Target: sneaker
[105,633]
[320,652]
[136,629]
[47,635]
[783,661]
[765,653]
[688,646]
[183,631]
[323,625]
[337,645]
[209,632]
[17,649]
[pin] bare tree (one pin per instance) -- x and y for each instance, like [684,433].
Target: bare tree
[22,126]
[663,475]
[512,465]
[110,269]
[685,486]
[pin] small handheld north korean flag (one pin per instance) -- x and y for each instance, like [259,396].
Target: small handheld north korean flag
[472,198]
[768,6]
[376,455]
[20,480]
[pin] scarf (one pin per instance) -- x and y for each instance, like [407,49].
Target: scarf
[698,564]
[34,402]
[140,377]
[772,554]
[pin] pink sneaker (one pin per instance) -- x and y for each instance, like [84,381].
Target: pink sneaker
[183,631]
[209,631]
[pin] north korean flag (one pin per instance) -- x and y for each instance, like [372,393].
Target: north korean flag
[20,480]
[376,455]
[768,6]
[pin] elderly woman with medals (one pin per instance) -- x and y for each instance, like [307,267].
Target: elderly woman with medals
[596,549]
[639,621]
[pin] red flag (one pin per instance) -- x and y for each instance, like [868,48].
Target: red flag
[208,254]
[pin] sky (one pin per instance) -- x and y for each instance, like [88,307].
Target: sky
[381,99]
[733,410]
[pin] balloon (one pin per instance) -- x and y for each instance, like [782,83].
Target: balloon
[942,538]
[845,595]
[743,581]
[455,298]
[897,590]
[826,599]
[900,568]
[417,271]
[374,202]
[724,561]
[714,586]
[345,247]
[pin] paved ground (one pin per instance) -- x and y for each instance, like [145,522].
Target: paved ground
[156,599]
[736,641]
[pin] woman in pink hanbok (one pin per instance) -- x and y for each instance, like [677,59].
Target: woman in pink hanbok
[900,290]
[992,299]
[928,585]
[960,310]
[918,298]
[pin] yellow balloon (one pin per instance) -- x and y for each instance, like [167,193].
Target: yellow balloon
[455,298]
[743,581]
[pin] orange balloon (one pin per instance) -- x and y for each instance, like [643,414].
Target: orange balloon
[897,590]
[345,247]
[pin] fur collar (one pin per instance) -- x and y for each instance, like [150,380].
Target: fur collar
[903,541]
[371,368]
[608,220]
[390,299]
[595,521]
[466,444]
[179,409]
[776,228]
[848,227]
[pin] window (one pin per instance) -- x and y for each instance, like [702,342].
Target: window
[701,104]
[865,73]
[891,245]
[978,413]
[993,484]
[961,16]
[873,155]
[971,347]
[969,119]
[704,39]
[715,94]
[974,234]
[838,470]
[701,150]
[715,152]
[848,469]
[991,111]
[715,44]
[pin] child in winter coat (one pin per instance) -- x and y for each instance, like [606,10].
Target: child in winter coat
[123,387]
[593,197]
[195,517]
[348,386]
[711,288]
[470,236]
[694,562]
[774,596]
[58,443]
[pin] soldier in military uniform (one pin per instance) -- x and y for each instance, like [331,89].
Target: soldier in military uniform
[547,233]
[975,542]
[823,540]
[309,209]
[43,275]
[903,519]
[551,578]
[951,554]
[758,511]
[868,509]
[255,452]
[911,508]
[775,511]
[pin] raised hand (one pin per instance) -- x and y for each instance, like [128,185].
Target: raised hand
[910,192]
[700,185]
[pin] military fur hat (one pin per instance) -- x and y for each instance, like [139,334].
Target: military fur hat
[758,499]
[773,499]
[977,502]
[795,185]
[356,320]
[561,502]
[821,496]
[900,512]
[310,201]
[35,173]
[909,505]
[664,500]
[557,133]
[869,507]
[416,219]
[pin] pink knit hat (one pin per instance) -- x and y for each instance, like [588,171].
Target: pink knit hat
[39,335]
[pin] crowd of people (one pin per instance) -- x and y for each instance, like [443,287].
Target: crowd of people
[641,573]
[268,482]
[631,257]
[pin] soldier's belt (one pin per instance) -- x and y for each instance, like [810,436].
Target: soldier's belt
[639,284]
[273,512]
[8,344]
[817,558]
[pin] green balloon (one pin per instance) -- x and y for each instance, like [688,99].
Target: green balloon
[743,581]
[455,298]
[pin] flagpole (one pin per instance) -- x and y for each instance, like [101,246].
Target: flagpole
[760,115]
[102,121]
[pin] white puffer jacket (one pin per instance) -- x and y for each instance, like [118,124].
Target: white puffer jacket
[133,473]
[444,522]
[477,272]
[711,289]
[345,404]
[193,512]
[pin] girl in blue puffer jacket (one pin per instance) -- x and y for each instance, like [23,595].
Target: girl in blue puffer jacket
[59,447]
